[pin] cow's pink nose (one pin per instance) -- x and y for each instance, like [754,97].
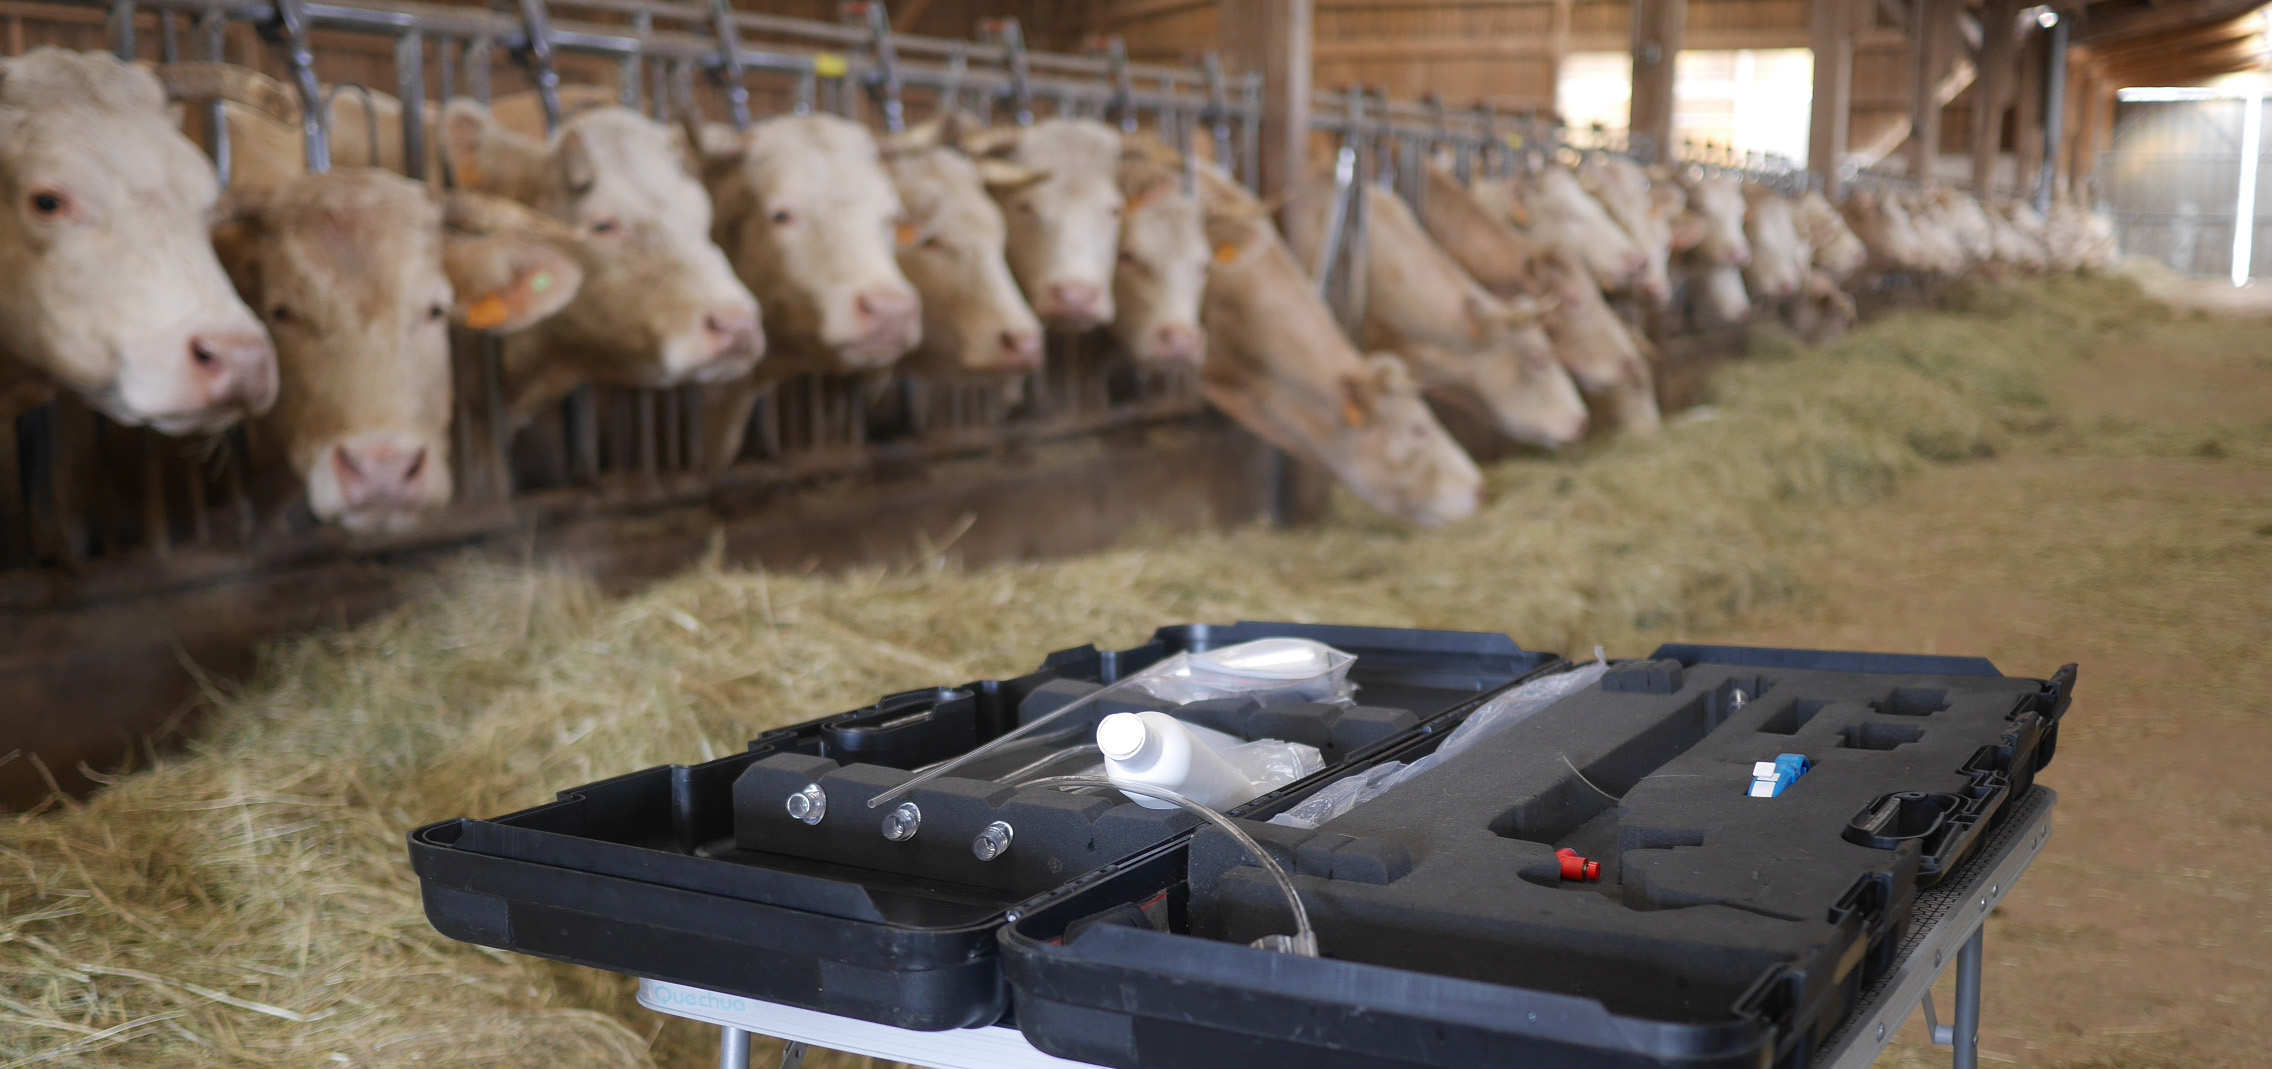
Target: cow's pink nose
[1075,301]
[1178,343]
[234,370]
[380,475]
[732,329]
[1020,350]
[887,304]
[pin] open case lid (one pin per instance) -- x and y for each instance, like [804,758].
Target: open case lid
[685,873]
[1722,928]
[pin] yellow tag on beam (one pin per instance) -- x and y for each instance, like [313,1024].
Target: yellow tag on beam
[488,313]
[830,65]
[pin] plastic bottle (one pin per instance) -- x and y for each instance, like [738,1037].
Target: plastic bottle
[1161,751]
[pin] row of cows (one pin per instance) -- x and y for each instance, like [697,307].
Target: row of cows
[619,250]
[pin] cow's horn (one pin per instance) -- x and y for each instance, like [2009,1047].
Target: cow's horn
[480,213]
[200,82]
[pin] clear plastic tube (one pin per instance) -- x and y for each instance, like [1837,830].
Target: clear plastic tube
[1303,943]
[1269,664]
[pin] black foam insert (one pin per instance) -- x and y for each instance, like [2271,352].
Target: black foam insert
[1055,835]
[1704,891]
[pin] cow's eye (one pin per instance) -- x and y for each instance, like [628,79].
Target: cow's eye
[48,204]
[604,226]
[280,314]
[438,310]
[930,241]
[783,217]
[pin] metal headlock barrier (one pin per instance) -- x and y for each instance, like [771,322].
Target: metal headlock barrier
[82,498]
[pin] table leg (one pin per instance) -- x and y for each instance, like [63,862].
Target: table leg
[733,1048]
[1967,1037]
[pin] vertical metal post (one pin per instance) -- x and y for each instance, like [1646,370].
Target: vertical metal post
[537,54]
[213,29]
[477,57]
[633,68]
[315,119]
[410,88]
[169,41]
[885,82]
[1218,113]
[733,1048]
[122,29]
[2244,214]
[1967,1037]
[1121,108]
[1011,37]
[2054,113]
[723,27]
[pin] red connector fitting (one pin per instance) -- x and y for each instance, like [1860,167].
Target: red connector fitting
[1578,868]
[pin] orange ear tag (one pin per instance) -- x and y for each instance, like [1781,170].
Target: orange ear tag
[1227,254]
[469,175]
[908,234]
[488,313]
[1354,415]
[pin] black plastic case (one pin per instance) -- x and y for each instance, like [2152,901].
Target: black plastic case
[687,873]
[1725,930]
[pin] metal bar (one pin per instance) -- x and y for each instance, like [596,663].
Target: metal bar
[315,119]
[730,71]
[169,38]
[410,89]
[1121,107]
[1010,37]
[122,29]
[1967,1037]
[213,29]
[884,83]
[536,54]
[2244,212]
[733,1048]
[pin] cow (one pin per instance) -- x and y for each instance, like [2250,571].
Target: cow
[975,320]
[1553,207]
[1883,224]
[1065,229]
[1162,267]
[109,286]
[1779,259]
[1279,364]
[660,305]
[1600,352]
[1967,223]
[1944,251]
[810,219]
[1467,348]
[359,274]
[1832,247]
[1645,207]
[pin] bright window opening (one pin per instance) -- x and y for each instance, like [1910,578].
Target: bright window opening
[1753,100]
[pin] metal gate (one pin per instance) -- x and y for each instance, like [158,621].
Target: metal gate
[2173,181]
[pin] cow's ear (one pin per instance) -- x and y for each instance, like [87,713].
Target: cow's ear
[236,232]
[574,159]
[507,283]
[989,141]
[1002,176]
[485,156]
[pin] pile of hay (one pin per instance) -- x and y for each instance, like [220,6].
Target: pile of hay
[248,902]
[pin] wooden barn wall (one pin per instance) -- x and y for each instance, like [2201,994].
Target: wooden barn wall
[1506,51]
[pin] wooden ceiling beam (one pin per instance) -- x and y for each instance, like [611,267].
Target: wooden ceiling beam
[2113,28]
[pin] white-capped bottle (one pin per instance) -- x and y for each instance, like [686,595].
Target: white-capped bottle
[1157,750]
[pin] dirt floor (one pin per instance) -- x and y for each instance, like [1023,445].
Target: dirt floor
[2135,539]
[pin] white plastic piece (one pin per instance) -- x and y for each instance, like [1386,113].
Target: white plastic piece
[1264,666]
[1157,750]
[1496,715]
[1294,668]
[1763,787]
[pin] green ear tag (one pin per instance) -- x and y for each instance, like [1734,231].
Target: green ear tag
[542,282]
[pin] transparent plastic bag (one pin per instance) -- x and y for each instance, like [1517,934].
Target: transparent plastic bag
[1294,668]
[1496,715]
